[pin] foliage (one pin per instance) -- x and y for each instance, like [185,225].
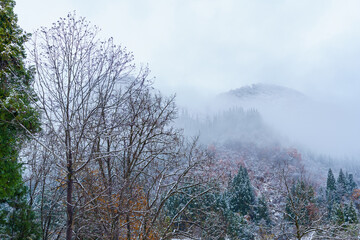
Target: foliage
[17,218]
[240,193]
[338,214]
[237,227]
[350,214]
[330,183]
[300,205]
[199,209]
[330,190]
[340,186]
[350,183]
[208,214]
[18,118]
[261,211]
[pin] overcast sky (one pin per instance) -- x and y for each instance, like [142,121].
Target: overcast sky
[217,45]
[204,47]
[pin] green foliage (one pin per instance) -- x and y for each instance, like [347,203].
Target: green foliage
[330,183]
[338,214]
[340,186]
[241,194]
[261,211]
[210,212]
[330,190]
[350,214]
[300,204]
[12,39]
[17,218]
[16,113]
[344,214]
[350,184]
[237,227]
[200,207]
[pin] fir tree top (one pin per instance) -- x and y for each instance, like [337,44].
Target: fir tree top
[330,184]
[341,178]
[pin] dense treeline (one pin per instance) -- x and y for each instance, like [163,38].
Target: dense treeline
[235,124]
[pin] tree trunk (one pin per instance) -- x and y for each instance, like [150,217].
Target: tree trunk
[69,205]
[128,226]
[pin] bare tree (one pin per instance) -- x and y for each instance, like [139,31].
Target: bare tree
[77,75]
[107,149]
[140,164]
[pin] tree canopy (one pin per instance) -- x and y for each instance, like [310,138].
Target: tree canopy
[18,118]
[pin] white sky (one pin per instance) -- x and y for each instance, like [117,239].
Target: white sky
[203,47]
[216,45]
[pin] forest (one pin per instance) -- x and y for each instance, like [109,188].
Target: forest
[90,149]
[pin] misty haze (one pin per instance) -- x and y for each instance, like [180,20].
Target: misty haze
[178,120]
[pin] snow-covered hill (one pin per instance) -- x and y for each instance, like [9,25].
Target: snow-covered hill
[261,96]
[265,91]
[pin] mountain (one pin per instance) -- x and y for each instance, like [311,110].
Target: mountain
[243,113]
[261,90]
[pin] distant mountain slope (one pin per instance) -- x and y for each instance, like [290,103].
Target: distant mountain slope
[233,124]
[266,98]
[261,90]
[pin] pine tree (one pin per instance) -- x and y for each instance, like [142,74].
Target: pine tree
[16,114]
[241,194]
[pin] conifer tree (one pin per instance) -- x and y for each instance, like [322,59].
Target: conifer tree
[261,211]
[338,214]
[331,183]
[350,215]
[341,185]
[241,193]
[300,204]
[18,117]
[330,190]
[350,184]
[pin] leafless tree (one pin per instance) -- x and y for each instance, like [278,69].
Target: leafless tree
[76,78]
[107,151]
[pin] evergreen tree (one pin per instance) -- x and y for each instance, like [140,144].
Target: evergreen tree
[209,212]
[300,205]
[350,184]
[340,186]
[241,194]
[205,211]
[350,215]
[16,113]
[261,211]
[330,183]
[330,190]
[237,227]
[338,214]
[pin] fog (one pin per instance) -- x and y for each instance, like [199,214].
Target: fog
[201,49]
[318,125]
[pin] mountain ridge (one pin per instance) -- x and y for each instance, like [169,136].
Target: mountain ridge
[257,90]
